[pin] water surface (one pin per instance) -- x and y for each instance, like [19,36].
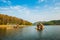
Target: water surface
[51,32]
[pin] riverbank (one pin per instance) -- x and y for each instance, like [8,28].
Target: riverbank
[11,26]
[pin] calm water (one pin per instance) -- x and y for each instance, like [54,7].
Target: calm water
[30,33]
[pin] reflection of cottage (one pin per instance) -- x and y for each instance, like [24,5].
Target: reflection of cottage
[39,26]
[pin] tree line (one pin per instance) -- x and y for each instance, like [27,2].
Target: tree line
[52,22]
[5,19]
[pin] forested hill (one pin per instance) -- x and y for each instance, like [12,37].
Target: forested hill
[5,19]
[52,22]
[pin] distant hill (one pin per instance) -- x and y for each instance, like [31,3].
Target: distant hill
[52,22]
[5,19]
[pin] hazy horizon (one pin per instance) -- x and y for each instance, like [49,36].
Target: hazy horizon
[31,10]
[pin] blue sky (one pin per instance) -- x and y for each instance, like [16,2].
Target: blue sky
[31,10]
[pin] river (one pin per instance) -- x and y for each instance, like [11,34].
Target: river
[51,32]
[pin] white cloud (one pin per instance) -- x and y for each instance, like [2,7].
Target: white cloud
[57,8]
[32,15]
[39,1]
[7,2]
[37,7]
[4,1]
[57,4]
[16,11]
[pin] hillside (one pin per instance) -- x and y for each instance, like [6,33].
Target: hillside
[5,19]
[52,22]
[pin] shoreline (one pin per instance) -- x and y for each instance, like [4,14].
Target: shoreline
[12,26]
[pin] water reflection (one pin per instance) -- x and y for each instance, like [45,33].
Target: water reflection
[12,34]
[2,33]
[30,33]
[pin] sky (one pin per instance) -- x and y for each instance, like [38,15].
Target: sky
[31,10]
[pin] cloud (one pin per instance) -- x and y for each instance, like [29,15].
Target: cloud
[21,12]
[32,15]
[57,4]
[18,11]
[4,1]
[7,2]
[39,1]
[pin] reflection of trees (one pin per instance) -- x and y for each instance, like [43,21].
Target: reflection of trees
[12,34]
[2,33]
[9,34]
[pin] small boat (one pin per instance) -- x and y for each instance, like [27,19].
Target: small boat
[39,26]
